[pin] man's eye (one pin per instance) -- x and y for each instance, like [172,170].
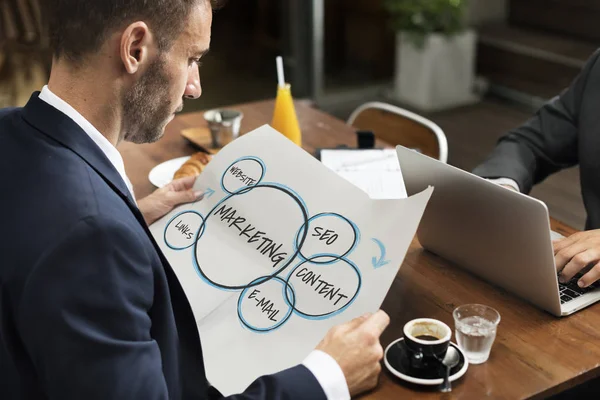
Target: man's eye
[196,61]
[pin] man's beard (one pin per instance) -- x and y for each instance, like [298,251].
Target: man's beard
[147,107]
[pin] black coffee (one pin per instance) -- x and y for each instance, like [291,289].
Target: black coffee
[427,337]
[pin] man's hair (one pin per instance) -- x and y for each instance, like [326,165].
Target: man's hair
[80,27]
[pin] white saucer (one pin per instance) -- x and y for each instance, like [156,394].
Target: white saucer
[162,174]
[404,373]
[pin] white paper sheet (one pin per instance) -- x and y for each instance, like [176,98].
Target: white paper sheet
[280,250]
[377,172]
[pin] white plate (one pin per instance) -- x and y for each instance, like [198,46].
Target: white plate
[421,381]
[162,174]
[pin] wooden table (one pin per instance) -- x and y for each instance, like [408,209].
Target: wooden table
[535,354]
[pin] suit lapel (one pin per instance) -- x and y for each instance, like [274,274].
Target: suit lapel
[64,130]
[56,125]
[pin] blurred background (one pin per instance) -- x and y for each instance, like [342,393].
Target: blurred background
[476,68]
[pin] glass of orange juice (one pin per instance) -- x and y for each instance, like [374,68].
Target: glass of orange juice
[284,115]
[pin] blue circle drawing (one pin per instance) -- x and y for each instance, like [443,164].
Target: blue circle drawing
[329,314]
[330,257]
[244,189]
[197,234]
[287,292]
[256,282]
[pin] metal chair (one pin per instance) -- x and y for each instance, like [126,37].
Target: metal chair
[398,126]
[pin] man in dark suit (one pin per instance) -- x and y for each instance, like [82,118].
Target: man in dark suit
[563,133]
[89,306]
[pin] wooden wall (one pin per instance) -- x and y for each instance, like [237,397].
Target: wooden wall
[575,18]
[357,33]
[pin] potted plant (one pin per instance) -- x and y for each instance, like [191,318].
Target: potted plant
[435,53]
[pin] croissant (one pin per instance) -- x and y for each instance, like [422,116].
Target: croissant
[193,166]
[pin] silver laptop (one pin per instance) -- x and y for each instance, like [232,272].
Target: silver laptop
[498,234]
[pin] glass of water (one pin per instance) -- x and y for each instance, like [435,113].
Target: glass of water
[475,329]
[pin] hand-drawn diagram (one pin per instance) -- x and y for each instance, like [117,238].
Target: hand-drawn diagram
[311,273]
[279,251]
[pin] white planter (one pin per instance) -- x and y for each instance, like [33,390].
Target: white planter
[438,76]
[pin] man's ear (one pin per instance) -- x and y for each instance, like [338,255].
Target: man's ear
[135,44]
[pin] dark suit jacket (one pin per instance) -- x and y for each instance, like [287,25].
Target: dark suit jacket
[563,133]
[89,306]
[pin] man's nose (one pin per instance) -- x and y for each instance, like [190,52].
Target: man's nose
[193,89]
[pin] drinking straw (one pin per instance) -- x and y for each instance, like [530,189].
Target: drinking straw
[280,76]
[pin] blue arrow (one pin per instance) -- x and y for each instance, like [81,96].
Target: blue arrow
[382,261]
[208,193]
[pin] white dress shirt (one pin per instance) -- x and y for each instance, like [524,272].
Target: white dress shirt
[506,181]
[101,141]
[329,374]
[325,369]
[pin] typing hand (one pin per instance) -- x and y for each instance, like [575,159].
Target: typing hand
[574,253]
[163,200]
[356,348]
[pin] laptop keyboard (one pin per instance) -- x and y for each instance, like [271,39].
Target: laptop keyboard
[570,290]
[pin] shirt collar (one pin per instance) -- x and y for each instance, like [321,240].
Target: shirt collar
[102,142]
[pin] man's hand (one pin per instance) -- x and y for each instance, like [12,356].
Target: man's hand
[574,253]
[509,187]
[356,348]
[163,200]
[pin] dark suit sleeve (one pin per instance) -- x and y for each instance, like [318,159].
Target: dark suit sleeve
[546,143]
[296,383]
[84,317]
[84,322]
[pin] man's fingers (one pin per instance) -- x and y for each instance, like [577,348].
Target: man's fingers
[185,183]
[356,322]
[578,262]
[565,242]
[592,276]
[564,256]
[377,323]
[186,196]
[561,244]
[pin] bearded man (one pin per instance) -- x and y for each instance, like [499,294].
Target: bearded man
[89,306]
